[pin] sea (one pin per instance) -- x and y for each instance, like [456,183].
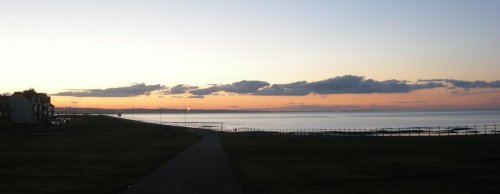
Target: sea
[326,120]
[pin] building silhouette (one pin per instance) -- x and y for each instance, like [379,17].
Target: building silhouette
[26,107]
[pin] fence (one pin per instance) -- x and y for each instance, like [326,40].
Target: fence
[405,131]
[214,126]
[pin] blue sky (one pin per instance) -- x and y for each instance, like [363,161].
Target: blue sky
[105,44]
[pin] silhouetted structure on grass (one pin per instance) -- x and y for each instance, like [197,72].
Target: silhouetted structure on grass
[26,107]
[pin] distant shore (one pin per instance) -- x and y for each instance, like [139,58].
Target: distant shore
[73,110]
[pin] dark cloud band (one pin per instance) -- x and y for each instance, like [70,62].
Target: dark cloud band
[127,91]
[241,87]
[465,84]
[180,89]
[347,84]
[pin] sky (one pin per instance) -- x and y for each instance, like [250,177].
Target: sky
[262,54]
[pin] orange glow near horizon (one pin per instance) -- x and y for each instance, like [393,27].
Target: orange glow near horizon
[477,98]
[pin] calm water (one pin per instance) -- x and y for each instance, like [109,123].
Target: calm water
[330,120]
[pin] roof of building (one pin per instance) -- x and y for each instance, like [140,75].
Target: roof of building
[33,96]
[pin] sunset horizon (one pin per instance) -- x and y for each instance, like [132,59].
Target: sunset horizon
[342,93]
[261,55]
[249,96]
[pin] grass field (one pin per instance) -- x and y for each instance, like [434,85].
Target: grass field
[90,155]
[292,164]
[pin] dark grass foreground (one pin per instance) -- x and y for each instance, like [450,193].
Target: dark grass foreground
[292,164]
[90,155]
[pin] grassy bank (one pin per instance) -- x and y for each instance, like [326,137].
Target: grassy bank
[90,155]
[291,164]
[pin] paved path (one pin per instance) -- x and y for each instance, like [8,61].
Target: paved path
[202,168]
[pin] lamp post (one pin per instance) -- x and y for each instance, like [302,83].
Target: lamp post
[161,109]
[74,107]
[185,116]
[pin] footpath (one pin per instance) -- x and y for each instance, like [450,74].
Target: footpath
[202,168]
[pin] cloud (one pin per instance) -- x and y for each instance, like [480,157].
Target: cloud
[467,84]
[241,87]
[180,89]
[127,91]
[291,89]
[453,83]
[347,84]
[244,87]
[205,91]
[494,84]
[357,85]
[428,85]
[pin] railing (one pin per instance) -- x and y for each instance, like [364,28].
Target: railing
[214,126]
[403,131]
